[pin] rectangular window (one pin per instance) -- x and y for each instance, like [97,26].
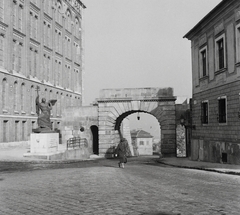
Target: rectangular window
[204,112]
[141,143]
[203,62]
[220,55]
[238,43]
[222,110]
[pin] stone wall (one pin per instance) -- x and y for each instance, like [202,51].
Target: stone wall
[212,141]
[77,122]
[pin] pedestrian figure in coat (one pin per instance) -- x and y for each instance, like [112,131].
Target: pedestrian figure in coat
[121,151]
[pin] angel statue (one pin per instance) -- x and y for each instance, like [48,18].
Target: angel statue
[43,111]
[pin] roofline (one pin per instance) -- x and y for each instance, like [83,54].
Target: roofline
[138,131]
[187,35]
[84,7]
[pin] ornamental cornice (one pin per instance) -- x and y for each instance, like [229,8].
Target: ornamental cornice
[34,43]
[76,5]
[47,49]
[35,8]
[58,26]
[3,26]
[47,17]
[18,34]
[119,100]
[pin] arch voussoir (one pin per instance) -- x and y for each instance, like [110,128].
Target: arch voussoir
[119,103]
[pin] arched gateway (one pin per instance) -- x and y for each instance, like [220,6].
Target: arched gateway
[116,104]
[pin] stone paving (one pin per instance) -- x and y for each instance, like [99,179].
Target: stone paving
[100,187]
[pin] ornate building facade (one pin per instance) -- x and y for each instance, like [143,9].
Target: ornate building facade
[215,43]
[40,47]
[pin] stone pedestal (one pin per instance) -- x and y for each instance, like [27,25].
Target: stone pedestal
[44,143]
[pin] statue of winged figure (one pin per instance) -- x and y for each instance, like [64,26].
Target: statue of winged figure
[43,110]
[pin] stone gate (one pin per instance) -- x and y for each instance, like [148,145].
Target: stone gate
[116,104]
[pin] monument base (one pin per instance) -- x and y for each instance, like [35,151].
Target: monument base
[72,154]
[46,146]
[44,143]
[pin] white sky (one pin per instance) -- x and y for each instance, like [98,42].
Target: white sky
[139,43]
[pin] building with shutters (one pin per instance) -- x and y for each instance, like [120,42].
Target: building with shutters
[142,142]
[40,46]
[215,44]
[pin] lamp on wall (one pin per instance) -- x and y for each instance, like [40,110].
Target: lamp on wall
[138,116]
[184,123]
[182,120]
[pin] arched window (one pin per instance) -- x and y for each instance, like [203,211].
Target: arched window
[69,21]
[22,96]
[32,95]
[76,27]
[60,104]
[57,104]
[2,47]
[4,93]
[15,96]
[58,12]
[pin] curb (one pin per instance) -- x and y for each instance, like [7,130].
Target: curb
[47,161]
[200,168]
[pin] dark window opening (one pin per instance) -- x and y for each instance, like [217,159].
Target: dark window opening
[224,157]
[205,112]
[220,54]
[204,63]
[222,110]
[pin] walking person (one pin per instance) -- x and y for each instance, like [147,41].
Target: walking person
[122,151]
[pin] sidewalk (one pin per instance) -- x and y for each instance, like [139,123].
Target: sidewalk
[200,165]
[16,155]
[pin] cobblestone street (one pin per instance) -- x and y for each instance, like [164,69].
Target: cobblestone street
[100,187]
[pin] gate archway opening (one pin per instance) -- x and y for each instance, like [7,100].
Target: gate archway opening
[143,132]
[116,104]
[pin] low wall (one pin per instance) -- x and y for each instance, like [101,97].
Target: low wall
[214,151]
[77,122]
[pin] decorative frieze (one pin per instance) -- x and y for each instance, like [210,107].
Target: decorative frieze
[218,28]
[202,40]
[34,43]
[3,28]
[18,34]
[237,14]
[76,4]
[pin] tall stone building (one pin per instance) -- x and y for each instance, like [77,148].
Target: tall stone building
[40,46]
[215,44]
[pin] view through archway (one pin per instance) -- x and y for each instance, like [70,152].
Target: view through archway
[143,134]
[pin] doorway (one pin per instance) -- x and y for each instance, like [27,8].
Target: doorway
[94,130]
